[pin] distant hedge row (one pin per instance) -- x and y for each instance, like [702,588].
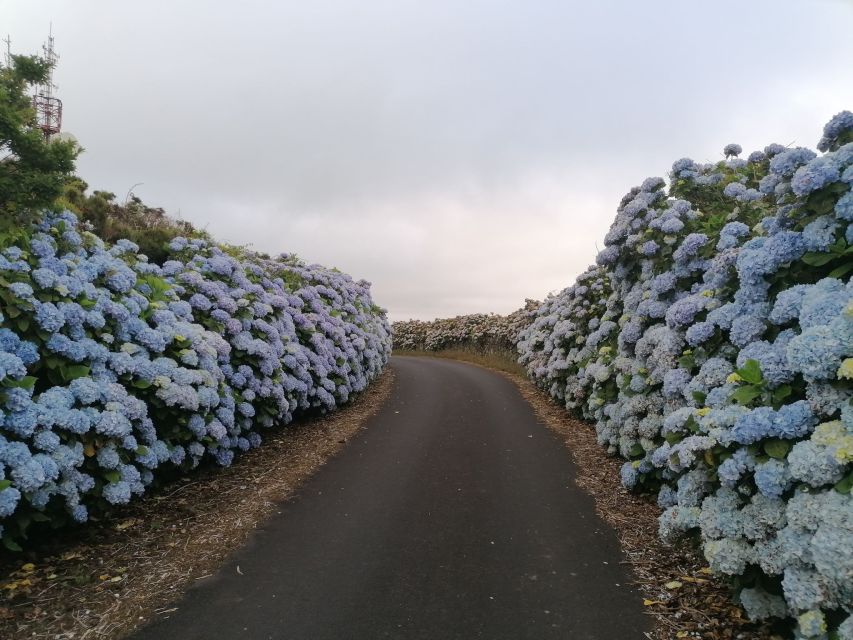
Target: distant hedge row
[114,371]
[712,345]
[478,331]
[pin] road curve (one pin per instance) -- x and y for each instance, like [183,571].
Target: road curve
[453,515]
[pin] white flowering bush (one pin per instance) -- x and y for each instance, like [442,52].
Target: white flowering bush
[115,372]
[478,331]
[712,346]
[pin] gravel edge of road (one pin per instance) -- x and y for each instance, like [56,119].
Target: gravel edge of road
[109,578]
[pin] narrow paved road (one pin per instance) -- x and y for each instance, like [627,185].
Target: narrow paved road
[451,516]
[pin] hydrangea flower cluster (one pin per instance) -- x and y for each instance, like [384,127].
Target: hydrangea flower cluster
[479,331]
[712,346]
[115,371]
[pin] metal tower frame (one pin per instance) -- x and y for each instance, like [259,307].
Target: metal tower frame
[48,108]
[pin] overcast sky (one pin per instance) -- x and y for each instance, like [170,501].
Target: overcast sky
[462,155]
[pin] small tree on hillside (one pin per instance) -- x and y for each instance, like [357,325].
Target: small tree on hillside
[32,170]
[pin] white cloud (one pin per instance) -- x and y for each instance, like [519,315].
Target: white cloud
[461,156]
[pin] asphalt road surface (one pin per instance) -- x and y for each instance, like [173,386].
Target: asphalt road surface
[451,516]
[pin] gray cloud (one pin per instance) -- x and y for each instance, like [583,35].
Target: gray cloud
[461,156]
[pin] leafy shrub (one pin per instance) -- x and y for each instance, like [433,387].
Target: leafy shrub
[148,227]
[712,345]
[115,372]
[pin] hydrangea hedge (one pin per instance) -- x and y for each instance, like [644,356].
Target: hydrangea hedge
[116,372]
[478,331]
[712,345]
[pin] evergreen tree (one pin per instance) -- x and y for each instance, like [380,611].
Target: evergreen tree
[32,170]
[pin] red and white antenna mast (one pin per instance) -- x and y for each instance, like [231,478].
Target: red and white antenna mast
[48,108]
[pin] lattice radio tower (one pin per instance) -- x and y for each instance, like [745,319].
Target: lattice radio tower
[48,108]
[8,43]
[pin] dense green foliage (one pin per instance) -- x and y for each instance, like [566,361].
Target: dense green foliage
[148,227]
[32,170]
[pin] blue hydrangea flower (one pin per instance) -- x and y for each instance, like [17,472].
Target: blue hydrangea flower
[117,492]
[787,162]
[840,123]
[9,498]
[772,478]
[732,150]
[815,175]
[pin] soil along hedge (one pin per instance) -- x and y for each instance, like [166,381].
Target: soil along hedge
[115,371]
[479,331]
[712,345]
